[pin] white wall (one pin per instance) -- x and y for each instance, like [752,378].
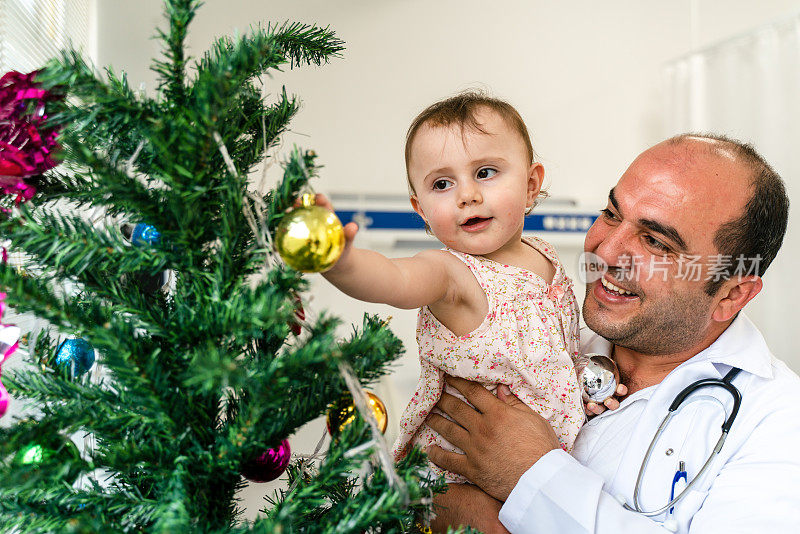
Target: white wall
[585,75]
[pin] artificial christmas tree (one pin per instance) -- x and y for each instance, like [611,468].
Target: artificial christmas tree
[191,332]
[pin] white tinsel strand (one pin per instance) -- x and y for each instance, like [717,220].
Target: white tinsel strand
[378,441]
[132,160]
[100,211]
[226,157]
[254,215]
[89,440]
[266,166]
[306,459]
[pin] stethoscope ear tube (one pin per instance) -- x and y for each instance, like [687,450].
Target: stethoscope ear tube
[725,383]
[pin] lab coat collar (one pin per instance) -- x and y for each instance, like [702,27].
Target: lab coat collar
[740,345]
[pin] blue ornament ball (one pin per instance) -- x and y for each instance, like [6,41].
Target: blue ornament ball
[145,234]
[75,354]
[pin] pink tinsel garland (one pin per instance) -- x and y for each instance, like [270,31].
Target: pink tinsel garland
[26,143]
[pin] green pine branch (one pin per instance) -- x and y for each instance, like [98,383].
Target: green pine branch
[197,378]
[64,509]
[231,63]
[109,110]
[87,407]
[304,44]
[298,170]
[171,69]
[73,246]
[171,514]
[378,505]
[258,424]
[255,128]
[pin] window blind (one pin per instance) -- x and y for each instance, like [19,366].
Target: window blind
[33,31]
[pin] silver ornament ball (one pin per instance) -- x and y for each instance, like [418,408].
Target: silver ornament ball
[598,378]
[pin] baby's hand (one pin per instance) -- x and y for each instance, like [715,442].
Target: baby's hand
[350,229]
[592,408]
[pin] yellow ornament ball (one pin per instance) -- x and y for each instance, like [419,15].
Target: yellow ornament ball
[310,238]
[343,412]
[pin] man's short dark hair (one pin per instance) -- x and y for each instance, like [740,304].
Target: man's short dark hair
[752,240]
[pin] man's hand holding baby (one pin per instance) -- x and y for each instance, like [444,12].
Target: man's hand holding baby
[487,433]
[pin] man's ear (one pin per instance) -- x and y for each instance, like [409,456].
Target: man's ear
[535,179]
[735,296]
[415,204]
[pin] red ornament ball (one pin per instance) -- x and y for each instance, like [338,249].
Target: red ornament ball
[269,465]
[299,316]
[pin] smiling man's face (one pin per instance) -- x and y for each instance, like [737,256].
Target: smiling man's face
[660,219]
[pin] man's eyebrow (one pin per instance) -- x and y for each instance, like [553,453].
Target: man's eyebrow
[613,199]
[654,226]
[665,230]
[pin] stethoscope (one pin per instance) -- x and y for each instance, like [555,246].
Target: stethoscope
[724,383]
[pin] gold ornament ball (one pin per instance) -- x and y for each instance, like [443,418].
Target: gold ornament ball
[343,412]
[310,238]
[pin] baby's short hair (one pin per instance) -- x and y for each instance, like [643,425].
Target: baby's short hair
[461,110]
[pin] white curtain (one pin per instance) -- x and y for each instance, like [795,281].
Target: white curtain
[749,88]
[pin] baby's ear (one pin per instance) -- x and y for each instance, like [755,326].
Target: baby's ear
[417,207]
[535,180]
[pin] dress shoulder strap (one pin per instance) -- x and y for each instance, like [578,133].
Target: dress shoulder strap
[545,248]
[476,266]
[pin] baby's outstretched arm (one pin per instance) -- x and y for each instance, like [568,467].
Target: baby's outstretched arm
[405,283]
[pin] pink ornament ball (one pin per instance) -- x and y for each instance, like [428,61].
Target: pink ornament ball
[268,465]
[3,400]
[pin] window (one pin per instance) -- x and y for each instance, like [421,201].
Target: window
[33,31]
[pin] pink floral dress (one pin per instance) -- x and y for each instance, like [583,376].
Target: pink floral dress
[527,341]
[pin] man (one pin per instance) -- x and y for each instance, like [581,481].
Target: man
[687,234]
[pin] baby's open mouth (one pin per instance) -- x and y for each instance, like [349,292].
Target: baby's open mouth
[475,222]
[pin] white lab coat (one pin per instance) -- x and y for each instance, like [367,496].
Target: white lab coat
[752,486]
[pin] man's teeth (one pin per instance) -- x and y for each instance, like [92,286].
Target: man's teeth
[612,287]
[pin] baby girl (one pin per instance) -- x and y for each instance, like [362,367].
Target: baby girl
[494,307]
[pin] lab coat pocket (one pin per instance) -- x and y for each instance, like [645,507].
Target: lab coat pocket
[687,507]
